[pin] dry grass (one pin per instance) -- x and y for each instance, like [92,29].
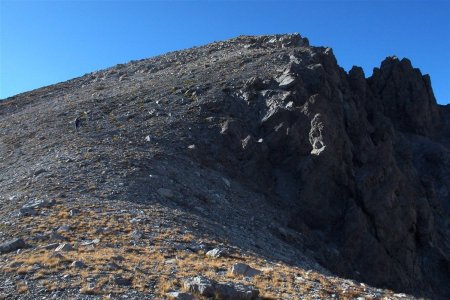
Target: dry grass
[151,260]
[22,288]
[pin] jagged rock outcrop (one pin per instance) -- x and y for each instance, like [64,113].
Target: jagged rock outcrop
[359,162]
[355,170]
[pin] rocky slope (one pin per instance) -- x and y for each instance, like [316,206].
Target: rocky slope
[262,146]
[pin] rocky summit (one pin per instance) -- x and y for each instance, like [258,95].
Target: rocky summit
[252,168]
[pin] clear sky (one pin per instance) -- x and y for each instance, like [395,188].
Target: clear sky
[45,42]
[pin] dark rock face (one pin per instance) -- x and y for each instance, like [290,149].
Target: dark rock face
[406,95]
[362,163]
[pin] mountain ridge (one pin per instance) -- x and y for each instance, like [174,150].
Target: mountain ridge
[349,173]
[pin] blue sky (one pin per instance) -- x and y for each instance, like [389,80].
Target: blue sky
[45,42]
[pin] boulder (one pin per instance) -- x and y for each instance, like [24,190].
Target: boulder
[12,245]
[200,285]
[216,252]
[244,270]
[205,287]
